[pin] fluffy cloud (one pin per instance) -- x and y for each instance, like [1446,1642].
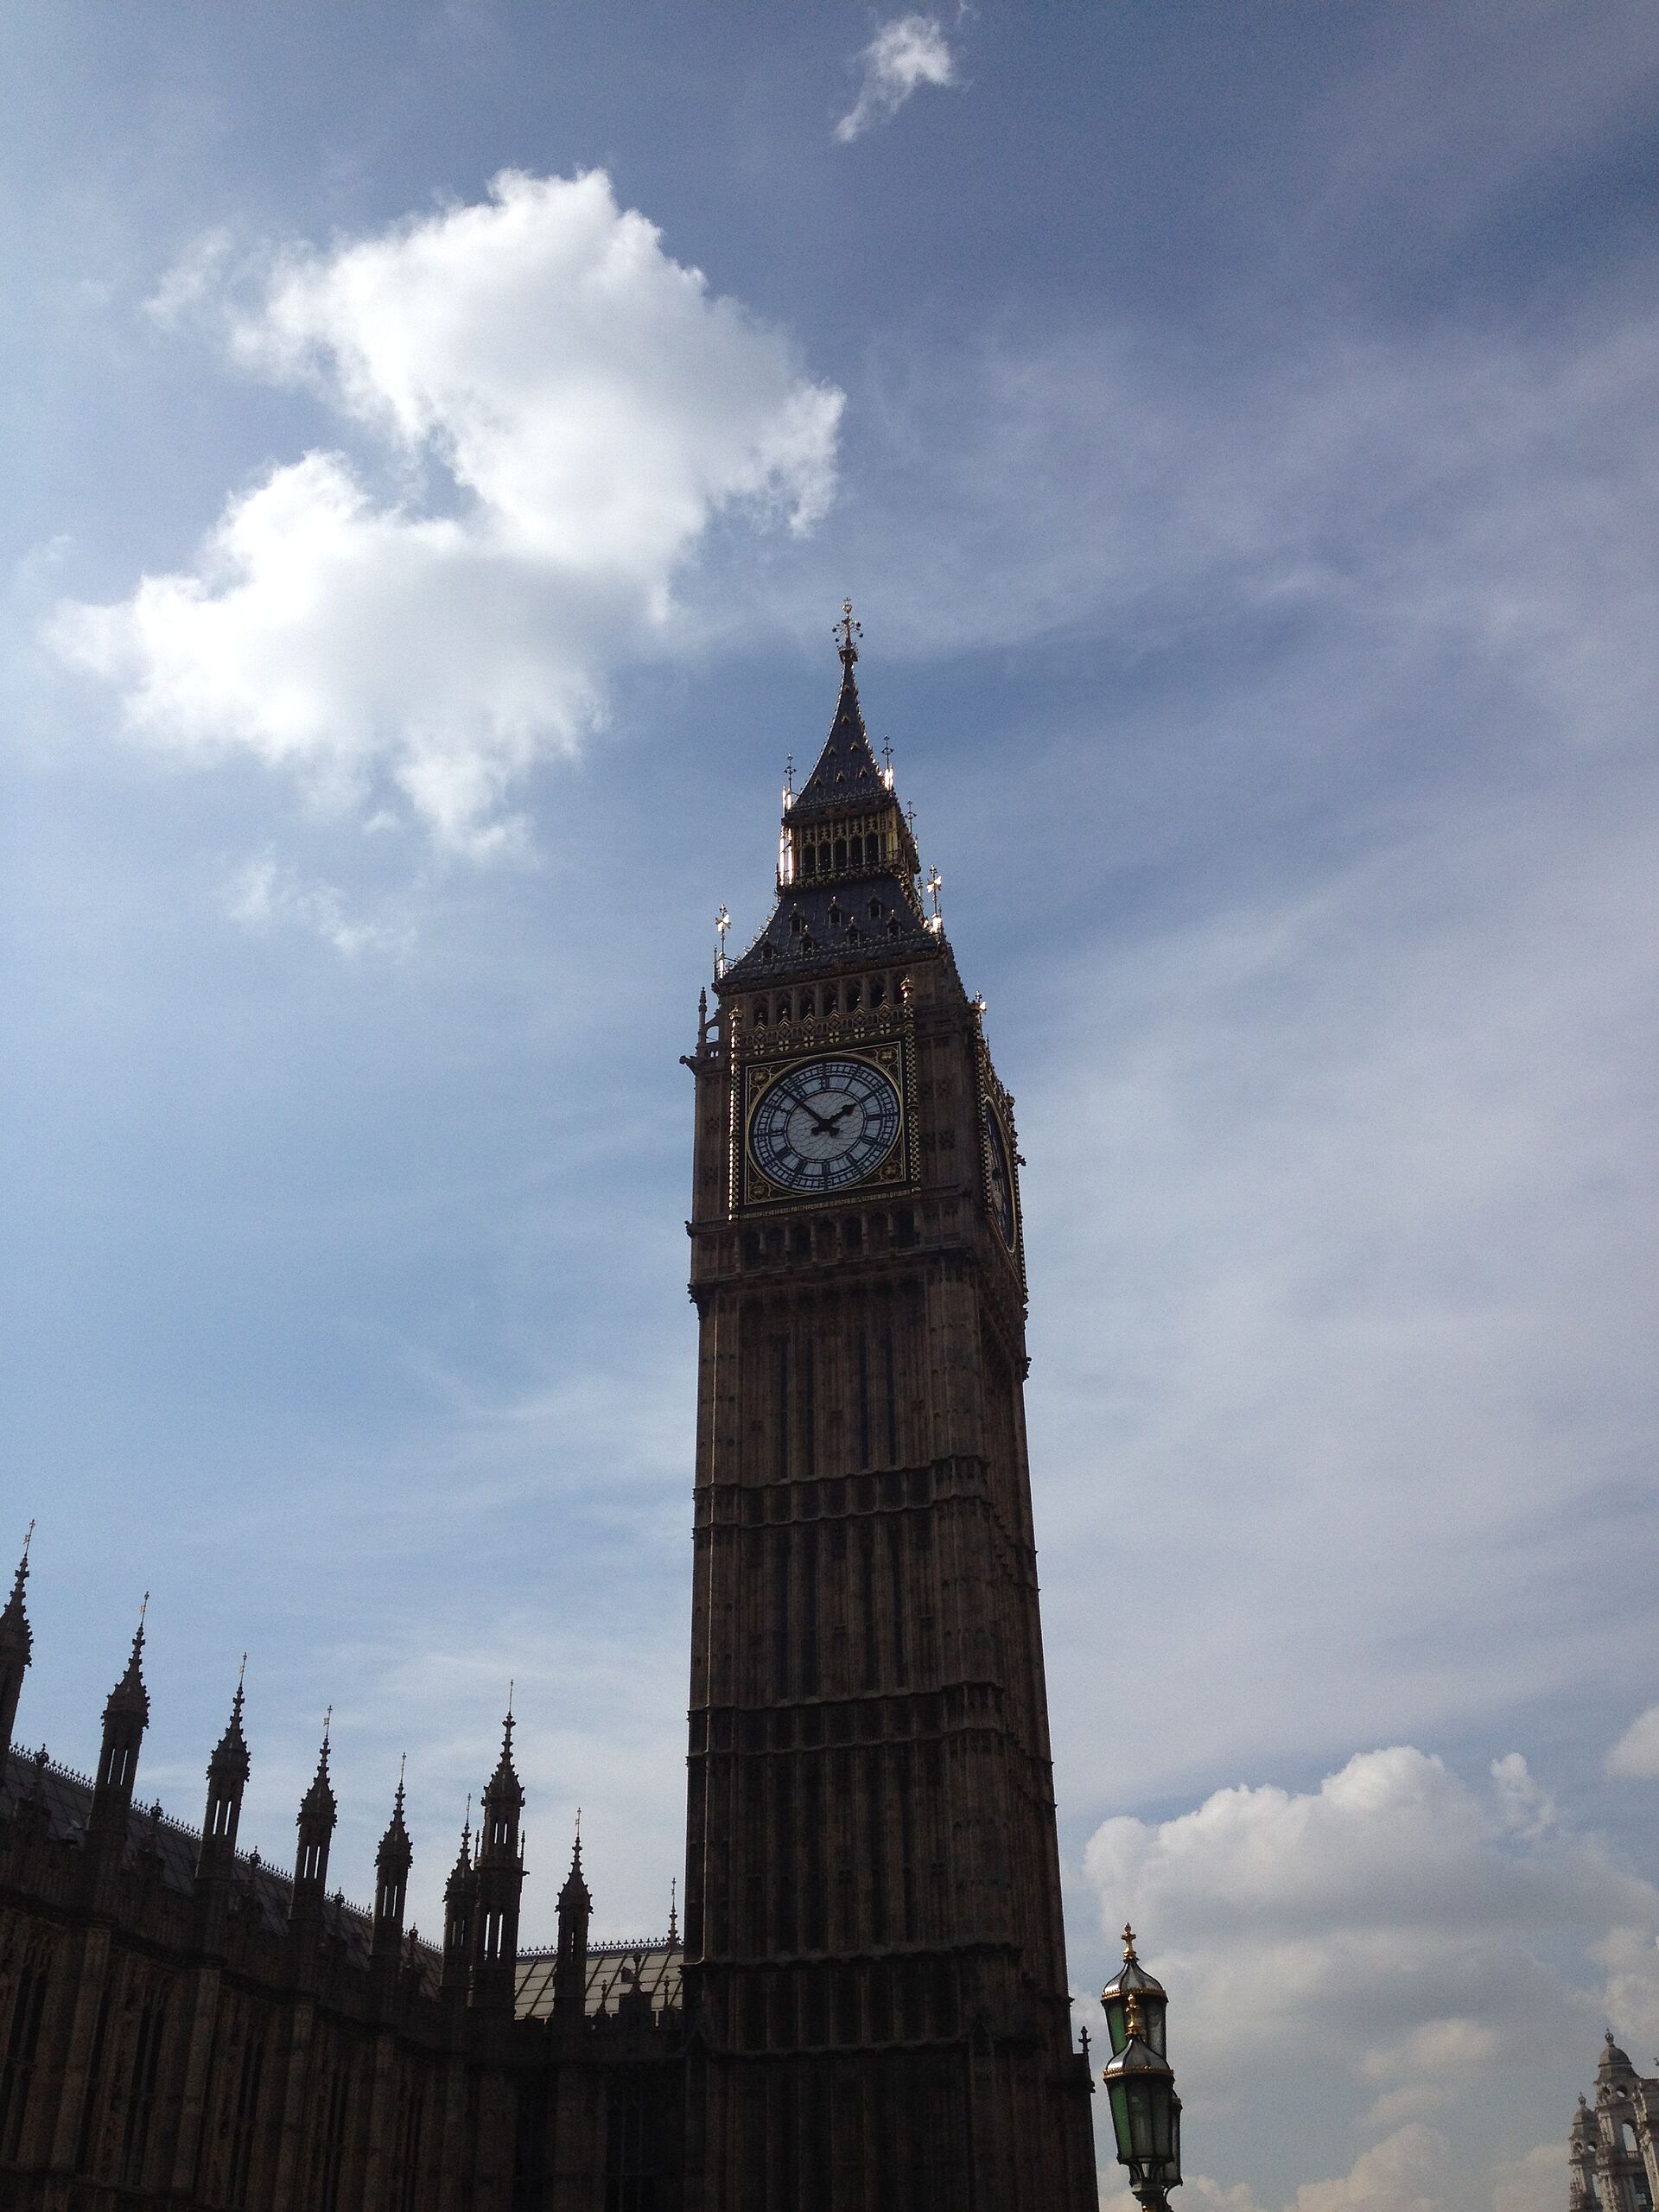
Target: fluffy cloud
[563,409]
[1394,1921]
[1407,2172]
[904,56]
[1634,1757]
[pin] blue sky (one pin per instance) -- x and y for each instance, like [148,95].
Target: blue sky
[1236,428]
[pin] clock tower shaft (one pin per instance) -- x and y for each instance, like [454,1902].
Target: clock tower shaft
[875,1970]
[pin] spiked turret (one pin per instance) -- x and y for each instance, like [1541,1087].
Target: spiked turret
[126,1716]
[392,1864]
[227,1777]
[17,1648]
[317,1815]
[459,1894]
[500,1873]
[576,1910]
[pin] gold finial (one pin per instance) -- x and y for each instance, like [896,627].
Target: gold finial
[1128,1944]
[1132,2014]
[847,632]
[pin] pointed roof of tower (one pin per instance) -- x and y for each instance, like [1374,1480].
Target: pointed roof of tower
[847,771]
[130,1695]
[230,1760]
[576,1887]
[318,1802]
[395,1849]
[1614,2060]
[462,1869]
[15,1634]
[503,1786]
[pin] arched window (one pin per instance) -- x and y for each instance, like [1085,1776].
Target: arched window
[809,860]
[841,852]
[783,1010]
[831,1000]
[835,917]
[855,851]
[854,997]
[805,1006]
[760,1013]
[878,992]
[876,910]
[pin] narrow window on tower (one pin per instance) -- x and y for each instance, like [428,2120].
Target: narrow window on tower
[863,1399]
[875,1777]
[808,1408]
[891,1365]
[809,1612]
[896,1569]
[780,1565]
[866,1592]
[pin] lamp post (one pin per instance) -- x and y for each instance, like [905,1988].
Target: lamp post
[1140,2085]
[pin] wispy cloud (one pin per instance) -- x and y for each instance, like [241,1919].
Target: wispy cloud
[566,408]
[904,56]
[264,894]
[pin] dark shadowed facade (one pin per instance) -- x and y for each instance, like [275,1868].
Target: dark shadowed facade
[869,2012]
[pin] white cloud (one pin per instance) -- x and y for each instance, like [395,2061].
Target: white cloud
[264,895]
[1393,1923]
[904,56]
[1534,2183]
[566,408]
[1408,2171]
[1634,1757]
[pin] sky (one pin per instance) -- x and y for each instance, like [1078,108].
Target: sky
[435,443]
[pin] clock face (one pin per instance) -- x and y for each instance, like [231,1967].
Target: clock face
[824,1124]
[999,1173]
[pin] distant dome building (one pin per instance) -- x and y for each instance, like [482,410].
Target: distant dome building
[1612,2154]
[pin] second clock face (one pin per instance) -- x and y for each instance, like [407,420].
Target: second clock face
[824,1124]
[1000,1177]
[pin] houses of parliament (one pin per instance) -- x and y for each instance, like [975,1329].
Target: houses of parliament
[865,2009]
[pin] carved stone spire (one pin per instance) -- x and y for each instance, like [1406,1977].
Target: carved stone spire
[392,1864]
[458,1895]
[317,1816]
[227,1777]
[16,1649]
[126,1716]
[500,1873]
[576,1910]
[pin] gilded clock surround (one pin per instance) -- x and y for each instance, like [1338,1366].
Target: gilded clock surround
[803,1045]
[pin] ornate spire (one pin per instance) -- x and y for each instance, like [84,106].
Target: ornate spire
[129,1695]
[15,1633]
[396,1849]
[228,1762]
[318,1807]
[503,1786]
[461,1870]
[17,1646]
[576,1885]
[673,1909]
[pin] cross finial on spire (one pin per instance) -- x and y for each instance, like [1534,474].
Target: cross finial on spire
[674,1908]
[847,632]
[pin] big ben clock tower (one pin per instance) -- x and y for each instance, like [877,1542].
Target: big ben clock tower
[875,1966]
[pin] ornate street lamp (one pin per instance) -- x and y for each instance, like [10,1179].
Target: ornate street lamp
[1139,2086]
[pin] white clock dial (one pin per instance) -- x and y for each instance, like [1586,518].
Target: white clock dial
[825,1124]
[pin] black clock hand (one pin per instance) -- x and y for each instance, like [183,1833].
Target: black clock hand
[828,1129]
